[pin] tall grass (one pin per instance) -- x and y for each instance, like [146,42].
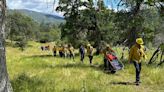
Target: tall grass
[37,71]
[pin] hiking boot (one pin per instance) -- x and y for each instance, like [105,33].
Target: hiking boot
[113,72]
[105,69]
[137,84]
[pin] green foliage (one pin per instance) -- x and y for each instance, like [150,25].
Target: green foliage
[21,43]
[97,23]
[90,24]
[162,46]
[159,4]
[20,25]
[24,29]
[20,28]
[72,14]
[48,32]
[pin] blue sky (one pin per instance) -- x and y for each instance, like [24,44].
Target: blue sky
[46,6]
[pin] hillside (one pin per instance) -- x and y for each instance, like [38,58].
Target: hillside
[40,17]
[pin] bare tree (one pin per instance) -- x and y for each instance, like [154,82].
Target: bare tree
[5,85]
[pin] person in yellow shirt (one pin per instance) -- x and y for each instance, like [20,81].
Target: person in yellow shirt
[54,50]
[71,51]
[65,50]
[60,49]
[90,53]
[135,55]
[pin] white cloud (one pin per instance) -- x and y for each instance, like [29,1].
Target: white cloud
[14,5]
[45,6]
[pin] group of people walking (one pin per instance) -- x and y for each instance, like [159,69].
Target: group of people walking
[69,51]
[64,51]
[135,55]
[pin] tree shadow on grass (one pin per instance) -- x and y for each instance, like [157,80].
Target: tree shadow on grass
[76,65]
[44,56]
[123,83]
[79,65]
[40,56]
[24,83]
[82,66]
[48,56]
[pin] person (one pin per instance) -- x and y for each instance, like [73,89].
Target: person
[135,55]
[42,48]
[106,51]
[98,50]
[71,51]
[90,53]
[54,50]
[82,53]
[61,51]
[47,47]
[123,52]
[65,50]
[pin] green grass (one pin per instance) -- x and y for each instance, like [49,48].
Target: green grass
[37,71]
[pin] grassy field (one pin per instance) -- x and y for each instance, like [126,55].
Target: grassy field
[37,71]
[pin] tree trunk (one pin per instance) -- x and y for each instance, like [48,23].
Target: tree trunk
[150,61]
[5,85]
[161,59]
[132,36]
[133,31]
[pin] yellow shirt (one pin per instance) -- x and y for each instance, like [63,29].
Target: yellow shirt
[54,49]
[90,51]
[60,49]
[71,49]
[136,54]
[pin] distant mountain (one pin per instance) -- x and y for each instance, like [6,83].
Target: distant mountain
[40,17]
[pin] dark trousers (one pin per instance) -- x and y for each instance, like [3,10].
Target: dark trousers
[71,56]
[107,65]
[138,70]
[90,59]
[54,53]
[61,54]
[82,56]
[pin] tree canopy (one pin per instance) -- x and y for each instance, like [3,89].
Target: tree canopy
[86,21]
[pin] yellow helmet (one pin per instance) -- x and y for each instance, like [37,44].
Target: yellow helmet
[139,41]
[88,45]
